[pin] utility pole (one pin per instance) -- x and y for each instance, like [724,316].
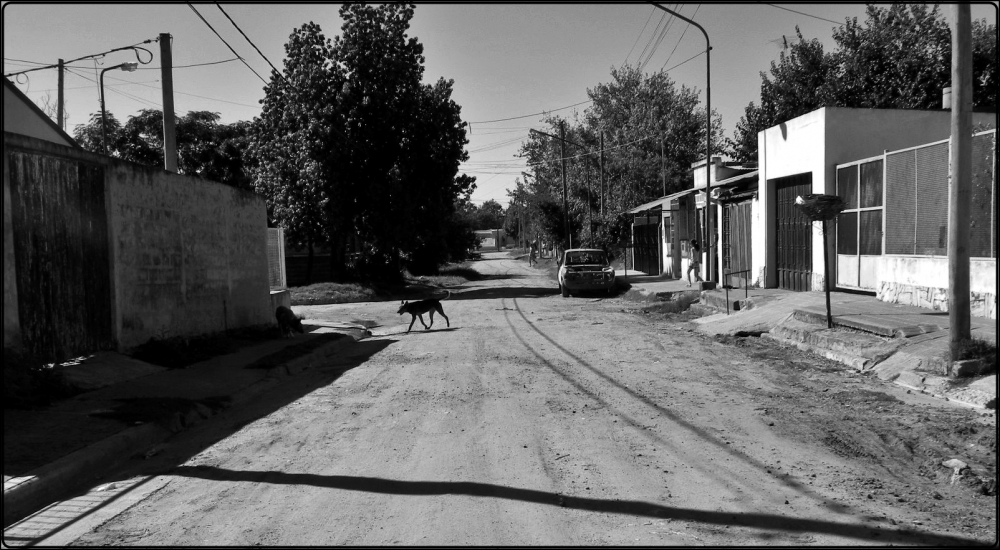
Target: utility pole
[60,115]
[663,169]
[169,134]
[959,193]
[602,174]
[562,153]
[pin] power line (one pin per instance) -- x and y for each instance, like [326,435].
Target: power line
[137,68]
[190,5]
[681,38]
[638,36]
[685,61]
[806,14]
[134,47]
[276,71]
[531,115]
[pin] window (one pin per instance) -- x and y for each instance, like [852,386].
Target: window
[859,227]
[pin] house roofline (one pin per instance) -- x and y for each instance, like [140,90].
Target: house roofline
[38,111]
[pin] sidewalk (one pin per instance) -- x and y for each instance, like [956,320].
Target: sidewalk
[903,344]
[132,406]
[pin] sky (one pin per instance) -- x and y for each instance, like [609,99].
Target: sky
[510,62]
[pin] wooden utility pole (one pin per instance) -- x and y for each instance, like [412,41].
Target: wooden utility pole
[169,134]
[959,192]
[602,174]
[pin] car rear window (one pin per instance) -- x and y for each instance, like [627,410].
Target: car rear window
[585,258]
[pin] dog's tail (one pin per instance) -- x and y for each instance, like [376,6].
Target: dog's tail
[446,297]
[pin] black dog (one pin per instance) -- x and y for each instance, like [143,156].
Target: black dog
[419,308]
[288,321]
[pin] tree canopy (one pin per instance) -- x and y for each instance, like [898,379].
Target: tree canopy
[351,142]
[653,131]
[205,147]
[899,58]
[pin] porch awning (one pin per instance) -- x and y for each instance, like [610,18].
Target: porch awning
[658,203]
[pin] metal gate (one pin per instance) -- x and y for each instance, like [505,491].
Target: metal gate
[736,244]
[646,239]
[794,233]
[60,234]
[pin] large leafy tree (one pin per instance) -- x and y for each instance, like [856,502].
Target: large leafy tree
[899,58]
[295,145]
[352,143]
[406,140]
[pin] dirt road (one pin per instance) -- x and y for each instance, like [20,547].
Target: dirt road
[541,420]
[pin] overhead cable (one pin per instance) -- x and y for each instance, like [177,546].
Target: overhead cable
[276,71]
[190,5]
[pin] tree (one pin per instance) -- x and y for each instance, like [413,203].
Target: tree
[800,82]
[204,147]
[653,132]
[406,140]
[295,145]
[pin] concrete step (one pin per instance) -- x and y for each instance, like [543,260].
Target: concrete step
[864,323]
[859,350]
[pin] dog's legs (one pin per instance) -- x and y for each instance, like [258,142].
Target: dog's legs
[441,311]
[412,320]
[425,324]
[431,314]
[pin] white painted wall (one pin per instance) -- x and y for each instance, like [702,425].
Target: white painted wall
[820,140]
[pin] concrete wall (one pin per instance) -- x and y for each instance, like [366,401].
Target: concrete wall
[11,324]
[189,255]
[817,142]
[923,281]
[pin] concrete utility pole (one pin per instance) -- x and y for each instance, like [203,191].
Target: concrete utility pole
[562,153]
[169,135]
[60,115]
[959,193]
[710,273]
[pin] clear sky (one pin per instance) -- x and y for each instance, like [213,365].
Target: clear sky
[507,60]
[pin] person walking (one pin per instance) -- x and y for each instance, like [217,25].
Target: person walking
[694,262]
[532,256]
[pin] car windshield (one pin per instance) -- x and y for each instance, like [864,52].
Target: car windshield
[585,258]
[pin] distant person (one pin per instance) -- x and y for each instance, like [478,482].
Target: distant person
[694,262]
[532,256]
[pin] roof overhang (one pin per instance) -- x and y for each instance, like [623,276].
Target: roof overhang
[658,203]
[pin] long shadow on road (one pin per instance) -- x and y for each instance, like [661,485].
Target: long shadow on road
[625,507]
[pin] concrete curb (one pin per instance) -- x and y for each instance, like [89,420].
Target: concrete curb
[24,495]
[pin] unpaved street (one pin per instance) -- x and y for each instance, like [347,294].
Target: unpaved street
[541,420]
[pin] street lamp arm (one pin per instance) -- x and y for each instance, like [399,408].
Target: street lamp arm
[708,44]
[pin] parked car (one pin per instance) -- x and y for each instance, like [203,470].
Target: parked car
[585,269]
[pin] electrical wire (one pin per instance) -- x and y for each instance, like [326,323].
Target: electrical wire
[531,115]
[276,71]
[134,47]
[638,36]
[195,10]
[688,26]
[805,14]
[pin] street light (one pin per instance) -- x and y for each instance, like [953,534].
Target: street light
[127,67]
[711,274]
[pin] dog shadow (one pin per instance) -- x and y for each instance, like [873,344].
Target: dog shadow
[423,331]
